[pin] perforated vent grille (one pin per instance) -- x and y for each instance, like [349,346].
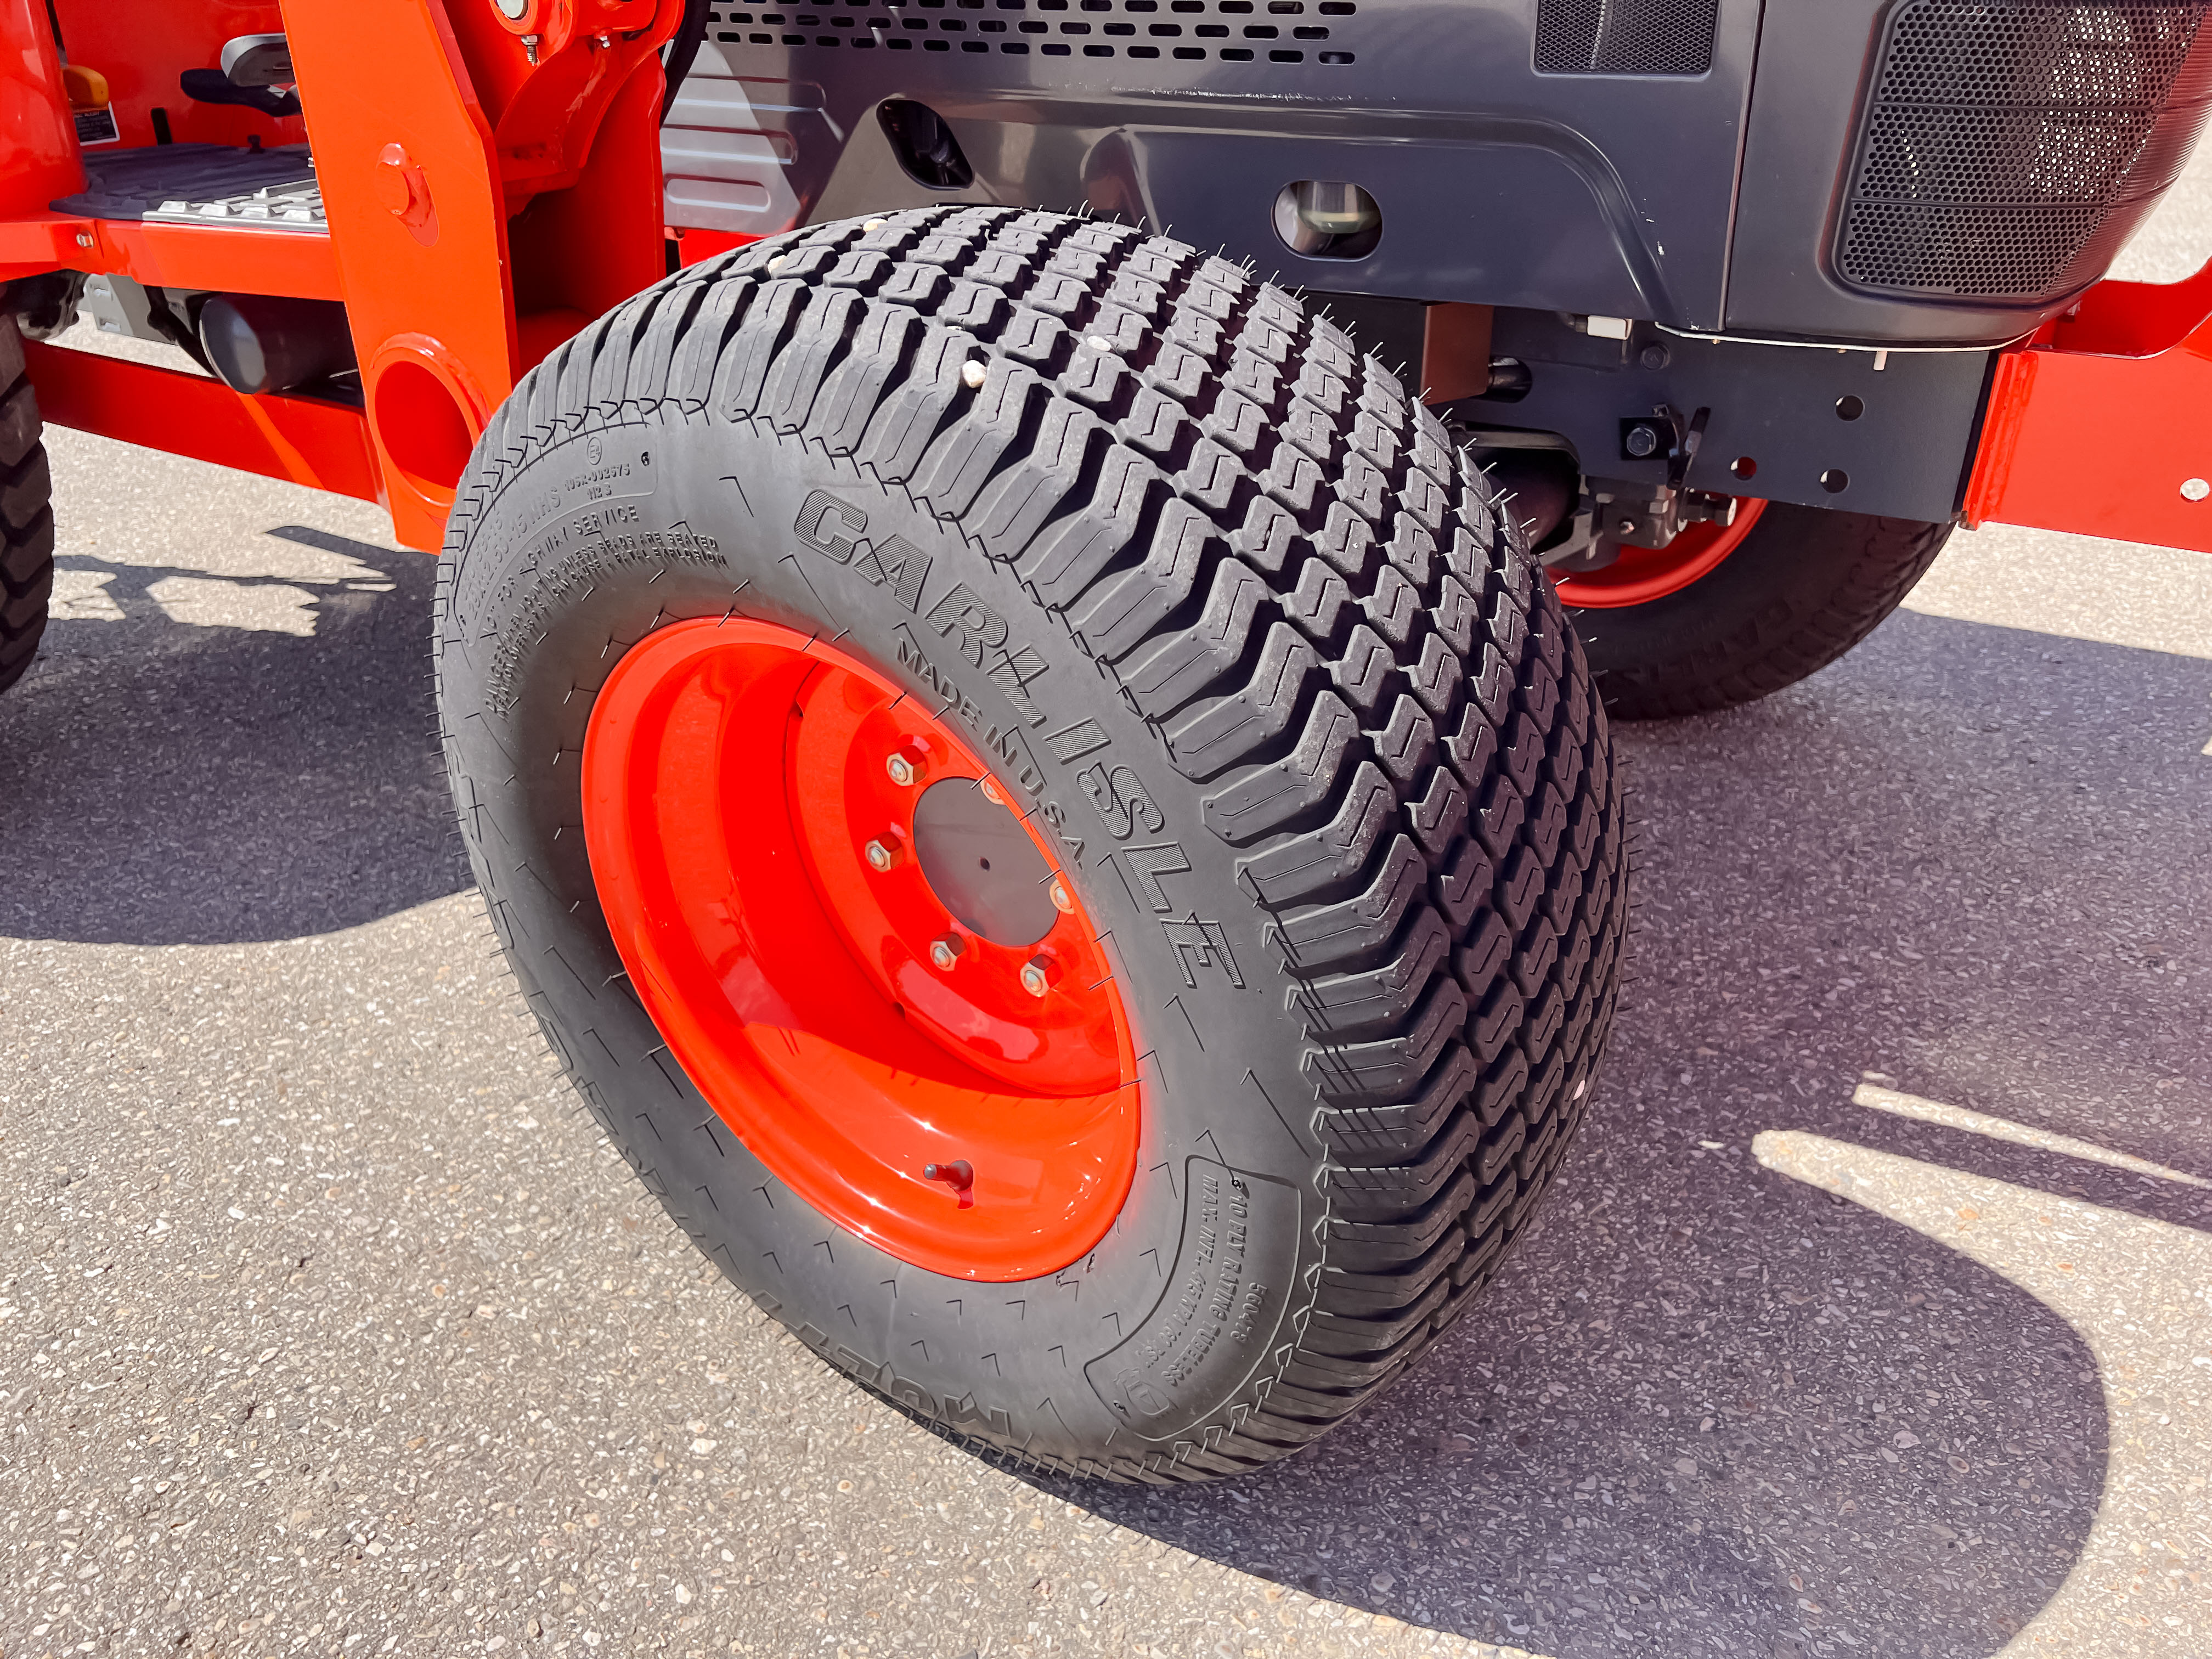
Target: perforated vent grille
[2002,138]
[1223,30]
[1624,37]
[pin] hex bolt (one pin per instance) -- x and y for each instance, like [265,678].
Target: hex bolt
[1640,441]
[1038,974]
[880,858]
[1061,899]
[905,767]
[946,951]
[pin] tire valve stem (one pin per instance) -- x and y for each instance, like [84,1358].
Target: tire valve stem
[959,1175]
[945,952]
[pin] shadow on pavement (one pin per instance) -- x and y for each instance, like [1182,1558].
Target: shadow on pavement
[175,782]
[1708,1408]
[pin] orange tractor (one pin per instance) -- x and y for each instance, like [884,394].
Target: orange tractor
[1052,787]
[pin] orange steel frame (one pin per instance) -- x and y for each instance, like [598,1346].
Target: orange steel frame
[493,184]
[2101,422]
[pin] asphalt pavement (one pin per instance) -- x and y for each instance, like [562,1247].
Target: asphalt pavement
[1872,1315]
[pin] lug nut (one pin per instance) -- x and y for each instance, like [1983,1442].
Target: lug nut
[879,856]
[1062,901]
[1038,974]
[905,767]
[946,951]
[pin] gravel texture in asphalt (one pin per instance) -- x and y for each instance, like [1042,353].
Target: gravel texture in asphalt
[1872,1316]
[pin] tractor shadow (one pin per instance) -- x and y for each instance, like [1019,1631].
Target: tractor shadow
[197,758]
[1968,858]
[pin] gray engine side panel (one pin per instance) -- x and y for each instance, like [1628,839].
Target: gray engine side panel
[1596,193]
[1705,202]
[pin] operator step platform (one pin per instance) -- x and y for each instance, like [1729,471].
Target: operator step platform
[271,189]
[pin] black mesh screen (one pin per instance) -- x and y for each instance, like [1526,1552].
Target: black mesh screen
[2005,142]
[1624,37]
[1272,32]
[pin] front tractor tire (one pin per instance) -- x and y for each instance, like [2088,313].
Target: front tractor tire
[1043,812]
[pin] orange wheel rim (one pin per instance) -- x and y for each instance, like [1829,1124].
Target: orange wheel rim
[1642,574]
[872,967]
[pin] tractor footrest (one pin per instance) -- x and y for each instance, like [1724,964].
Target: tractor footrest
[214,185]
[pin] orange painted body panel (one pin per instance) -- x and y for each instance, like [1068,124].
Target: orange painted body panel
[324,446]
[38,143]
[172,256]
[694,245]
[2100,422]
[442,278]
[482,206]
[142,47]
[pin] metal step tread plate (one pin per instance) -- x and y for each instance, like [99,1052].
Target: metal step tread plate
[271,189]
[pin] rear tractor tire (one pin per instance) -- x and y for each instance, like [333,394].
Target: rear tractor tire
[27,516]
[1045,815]
[1796,590]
